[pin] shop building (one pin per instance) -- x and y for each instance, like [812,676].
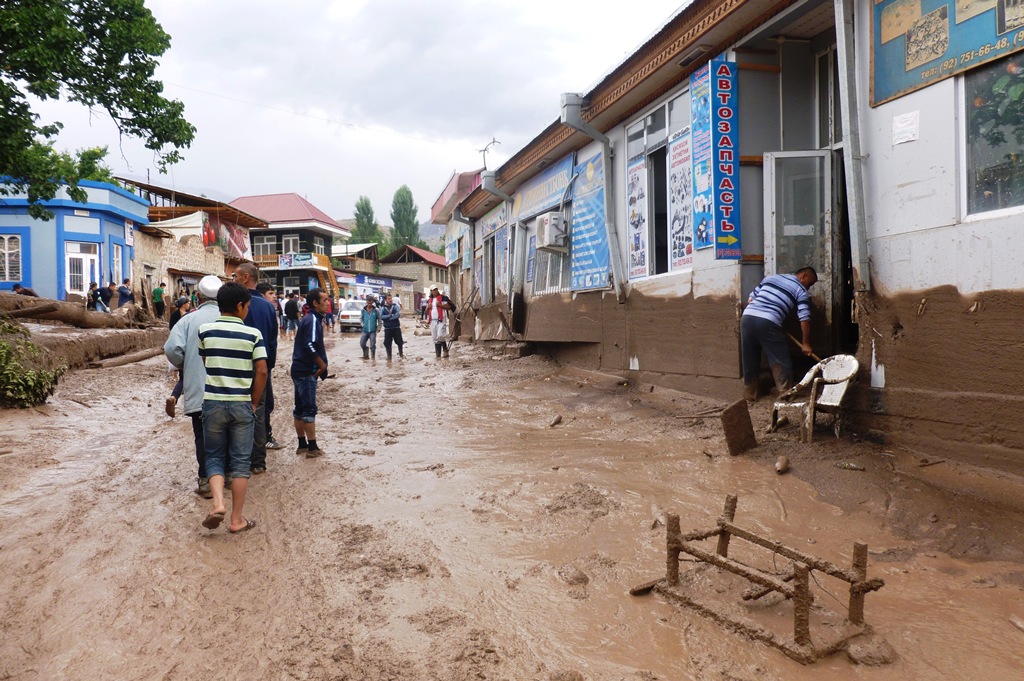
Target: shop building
[880,143]
[293,252]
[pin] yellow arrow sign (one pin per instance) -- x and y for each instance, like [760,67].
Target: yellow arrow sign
[728,239]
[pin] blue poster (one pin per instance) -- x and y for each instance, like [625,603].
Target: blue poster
[542,191]
[919,42]
[725,168]
[531,256]
[590,263]
[501,260]
[700,108]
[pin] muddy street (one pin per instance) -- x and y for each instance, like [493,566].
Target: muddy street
[452,532]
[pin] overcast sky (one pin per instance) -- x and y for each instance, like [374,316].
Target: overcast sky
[337,99]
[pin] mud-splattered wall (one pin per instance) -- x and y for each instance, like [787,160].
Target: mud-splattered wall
[680,342]
[948,373]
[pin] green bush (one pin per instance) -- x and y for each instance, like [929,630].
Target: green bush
[27,376]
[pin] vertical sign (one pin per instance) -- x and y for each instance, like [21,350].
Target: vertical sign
[590,262]
[700,108]
[680,201]
[636,209]
[531,257]
[725,171]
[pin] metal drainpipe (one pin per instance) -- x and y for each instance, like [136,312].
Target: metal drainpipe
[572,107]
[853,160]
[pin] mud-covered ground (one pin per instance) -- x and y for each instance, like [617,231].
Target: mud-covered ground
[451,532]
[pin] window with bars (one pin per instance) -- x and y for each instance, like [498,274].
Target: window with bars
[10,257]
[551,272]
[117,273]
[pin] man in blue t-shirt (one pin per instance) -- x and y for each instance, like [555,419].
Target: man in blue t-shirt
[761,327]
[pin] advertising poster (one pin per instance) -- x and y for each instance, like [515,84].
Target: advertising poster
[590,264]
[725,168]
[680,201]
[492,220]
[920,42]
[531,257]
[700,108]
[636,210]
[501,261]
[543,191]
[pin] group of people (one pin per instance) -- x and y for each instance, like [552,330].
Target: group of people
[99,298]
[225,350]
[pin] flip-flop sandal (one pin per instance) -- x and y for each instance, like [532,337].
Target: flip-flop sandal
[249,524]
[213,521]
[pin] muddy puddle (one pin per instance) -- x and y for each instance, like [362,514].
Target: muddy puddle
[451,532]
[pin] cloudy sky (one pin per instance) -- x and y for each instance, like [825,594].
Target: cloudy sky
[337,99]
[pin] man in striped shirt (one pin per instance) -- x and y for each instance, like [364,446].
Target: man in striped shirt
[236,372]
[761,327]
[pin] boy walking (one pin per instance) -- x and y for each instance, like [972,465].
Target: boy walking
[309,363]
[236,373]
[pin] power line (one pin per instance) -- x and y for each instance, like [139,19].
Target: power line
[322,118]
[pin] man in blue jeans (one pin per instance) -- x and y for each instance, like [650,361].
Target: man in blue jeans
[236,373]
[309,363]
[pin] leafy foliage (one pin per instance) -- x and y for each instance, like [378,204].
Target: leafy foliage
[27,374]
[995,121]
[95,52]
[403,217]
[367,231]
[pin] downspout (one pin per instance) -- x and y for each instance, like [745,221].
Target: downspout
[853,160]
[572,116]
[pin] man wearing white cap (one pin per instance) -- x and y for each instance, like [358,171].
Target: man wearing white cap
[182,350]
[438,309]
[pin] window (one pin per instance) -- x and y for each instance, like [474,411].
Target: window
[10,258]
[290,243]
[830,129]
[995,135]
[648,139]
[318,245]
[551,272]
[265,244]
[117,269]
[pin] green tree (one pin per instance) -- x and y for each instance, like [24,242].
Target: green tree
[95,52]
[406,229]
[367,230]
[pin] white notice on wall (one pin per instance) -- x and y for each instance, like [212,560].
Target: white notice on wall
[905,127]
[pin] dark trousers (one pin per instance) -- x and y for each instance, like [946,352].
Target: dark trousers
[393,336]
[757,334]
[268,392]
[259,435]
[159,305]
[197,433]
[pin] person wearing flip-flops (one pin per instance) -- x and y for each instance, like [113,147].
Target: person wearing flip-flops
[236,373]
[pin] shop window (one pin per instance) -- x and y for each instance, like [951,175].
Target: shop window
[647,139]
[994,97]
[551,272]
[10,258]
[290,243]
[265,244]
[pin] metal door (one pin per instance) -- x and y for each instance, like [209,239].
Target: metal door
[798,214]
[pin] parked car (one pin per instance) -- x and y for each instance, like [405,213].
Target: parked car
[350,316]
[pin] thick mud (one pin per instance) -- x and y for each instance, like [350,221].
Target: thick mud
[452,532]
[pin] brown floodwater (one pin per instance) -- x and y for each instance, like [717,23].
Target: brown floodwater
[449,533]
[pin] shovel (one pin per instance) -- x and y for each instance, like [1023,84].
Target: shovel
[801,345]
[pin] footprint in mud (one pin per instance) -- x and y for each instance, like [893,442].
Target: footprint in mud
[436,620]
[583,498]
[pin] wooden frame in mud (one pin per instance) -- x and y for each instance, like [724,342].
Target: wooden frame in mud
[793,584]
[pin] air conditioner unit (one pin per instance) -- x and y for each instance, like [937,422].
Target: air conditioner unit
[551,232]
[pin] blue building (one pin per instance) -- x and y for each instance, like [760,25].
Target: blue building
[84,242]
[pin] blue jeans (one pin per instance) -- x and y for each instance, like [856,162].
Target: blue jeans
[305,398]
[368,340]
[227,434]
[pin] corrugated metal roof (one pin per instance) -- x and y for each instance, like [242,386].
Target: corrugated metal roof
[283,208]
[426,256]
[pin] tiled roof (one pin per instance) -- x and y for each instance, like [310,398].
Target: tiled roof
[283,208]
